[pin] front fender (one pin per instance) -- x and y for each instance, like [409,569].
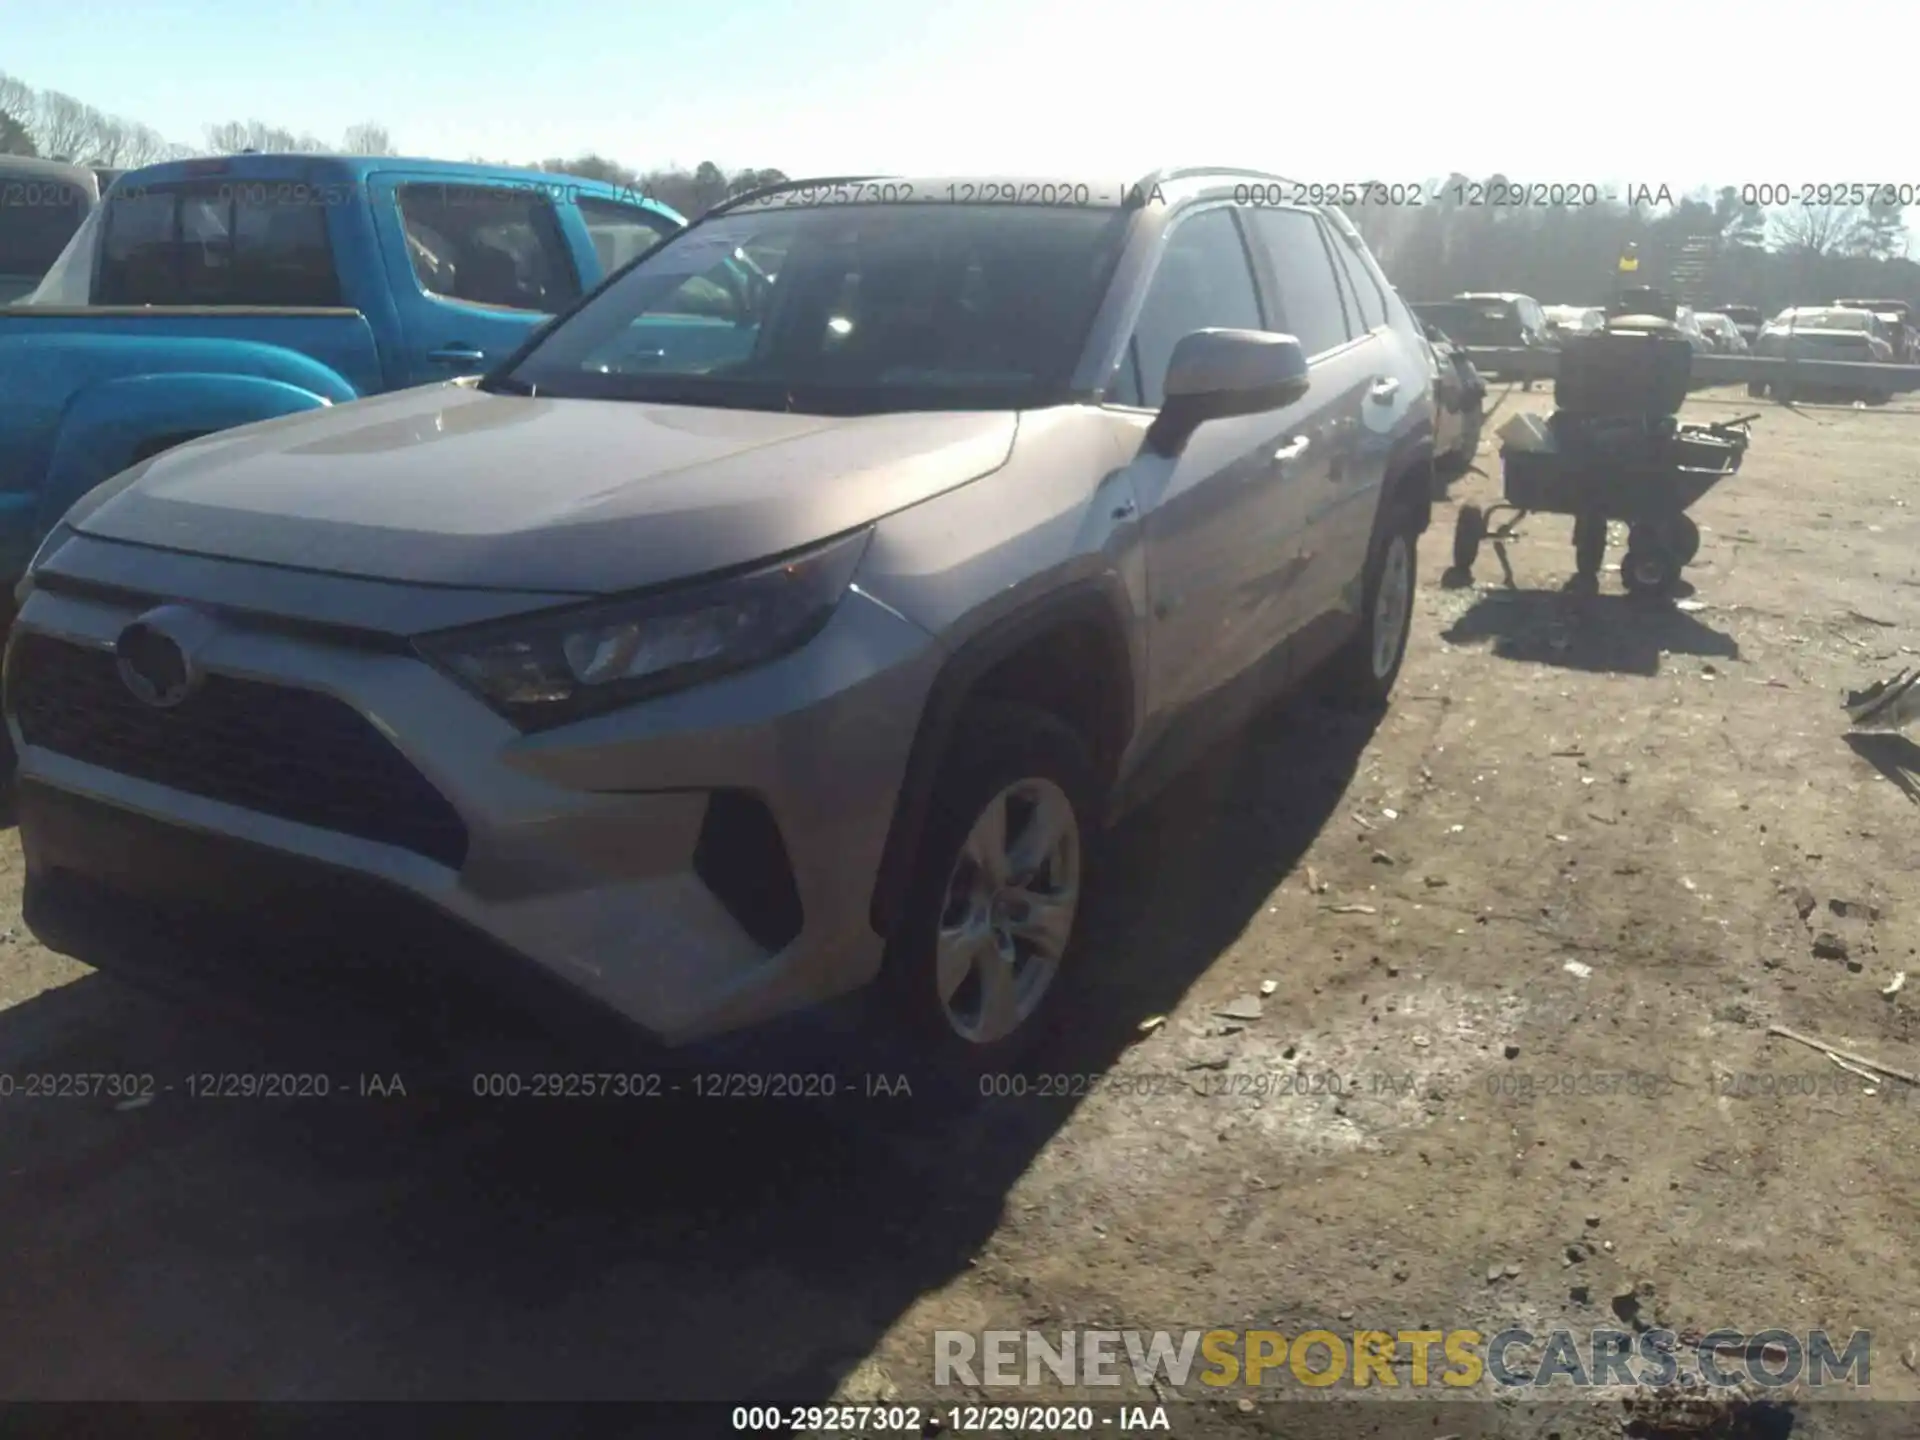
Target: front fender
[105,425]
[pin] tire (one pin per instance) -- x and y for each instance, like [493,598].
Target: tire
[1757,389]
[1469,529]
[949,1046]
[1648,569]
[1365,669]
[1681,537]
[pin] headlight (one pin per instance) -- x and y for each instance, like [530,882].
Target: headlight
[545,670]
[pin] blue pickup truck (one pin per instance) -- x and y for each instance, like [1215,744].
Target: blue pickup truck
[205,294]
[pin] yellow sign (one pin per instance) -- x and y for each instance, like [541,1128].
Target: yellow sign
[1629,263]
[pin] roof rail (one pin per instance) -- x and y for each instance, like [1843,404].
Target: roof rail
[1189,172]
[760,192]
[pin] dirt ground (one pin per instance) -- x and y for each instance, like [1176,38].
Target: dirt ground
[1535,923]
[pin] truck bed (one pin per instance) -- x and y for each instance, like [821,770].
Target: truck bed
[338,337]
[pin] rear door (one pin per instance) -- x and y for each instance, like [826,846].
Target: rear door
[474,266]
[616,233]
[1341,323]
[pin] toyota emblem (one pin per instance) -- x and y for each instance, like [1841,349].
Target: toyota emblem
[156,655]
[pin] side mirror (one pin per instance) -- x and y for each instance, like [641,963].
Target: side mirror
[1218,373]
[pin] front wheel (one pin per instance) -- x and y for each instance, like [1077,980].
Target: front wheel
[1365,671]
[990,920]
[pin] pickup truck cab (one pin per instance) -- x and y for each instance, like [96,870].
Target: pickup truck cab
[207,294]
[42,203]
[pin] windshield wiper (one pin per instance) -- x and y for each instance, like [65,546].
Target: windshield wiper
[506,385]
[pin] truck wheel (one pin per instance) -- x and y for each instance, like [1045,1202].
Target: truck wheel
[1364,670]
[1757,389]
[989,922]
[1469,529]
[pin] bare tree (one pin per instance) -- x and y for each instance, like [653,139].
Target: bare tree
[368,139]
[1820,229]
[235,136]
[60,125]
[14,137]
[16,98]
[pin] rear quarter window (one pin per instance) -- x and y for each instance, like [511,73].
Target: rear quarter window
[220,245]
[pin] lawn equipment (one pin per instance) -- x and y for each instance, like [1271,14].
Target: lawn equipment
[1611,450]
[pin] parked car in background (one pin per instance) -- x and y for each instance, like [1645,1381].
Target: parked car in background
[697,675]
[1688,324]
[1459,401]
[42,204]
[1823,332]
[207,294]
[1897,318]
[1565,320]
[1747,319]
[1723,333]
[1491,321]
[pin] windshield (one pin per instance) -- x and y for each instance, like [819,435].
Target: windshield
[844,310]
[37,219]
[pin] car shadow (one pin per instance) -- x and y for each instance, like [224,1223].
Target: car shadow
[1611,634]
[1894,756]
[370,1244]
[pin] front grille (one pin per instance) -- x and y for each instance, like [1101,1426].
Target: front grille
[291,753]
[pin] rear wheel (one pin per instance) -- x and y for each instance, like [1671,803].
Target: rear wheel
[1757,389]
[1364,671]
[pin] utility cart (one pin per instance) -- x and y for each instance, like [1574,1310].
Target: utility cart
[1611,450]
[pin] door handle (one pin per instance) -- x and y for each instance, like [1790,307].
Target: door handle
[1292,450]
[1384,390]
[457,355]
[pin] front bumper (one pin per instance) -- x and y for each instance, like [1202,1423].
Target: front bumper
[333,809]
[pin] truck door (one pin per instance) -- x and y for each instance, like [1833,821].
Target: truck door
[474,265]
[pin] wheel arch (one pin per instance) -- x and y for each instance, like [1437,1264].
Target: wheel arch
[1065,653]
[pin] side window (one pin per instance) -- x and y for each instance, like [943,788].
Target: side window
[488,245]
[1360,282]
[1203,283]
[1310,306]
[238,244]
[621,233]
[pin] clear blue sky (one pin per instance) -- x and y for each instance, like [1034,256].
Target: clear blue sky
[1395,89]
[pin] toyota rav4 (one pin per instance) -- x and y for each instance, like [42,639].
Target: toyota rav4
[736,645]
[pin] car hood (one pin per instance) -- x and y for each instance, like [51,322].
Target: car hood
[447,485]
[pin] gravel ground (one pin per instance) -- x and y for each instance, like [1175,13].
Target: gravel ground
[1497,975]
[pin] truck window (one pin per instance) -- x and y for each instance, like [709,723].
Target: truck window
[488,245]
[225,245]
[621,233]
[37,218]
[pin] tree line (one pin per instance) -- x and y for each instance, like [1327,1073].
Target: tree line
[56,126]
[1718,244]
[1713,244]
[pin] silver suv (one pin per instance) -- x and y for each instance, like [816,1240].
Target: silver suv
[782,620]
